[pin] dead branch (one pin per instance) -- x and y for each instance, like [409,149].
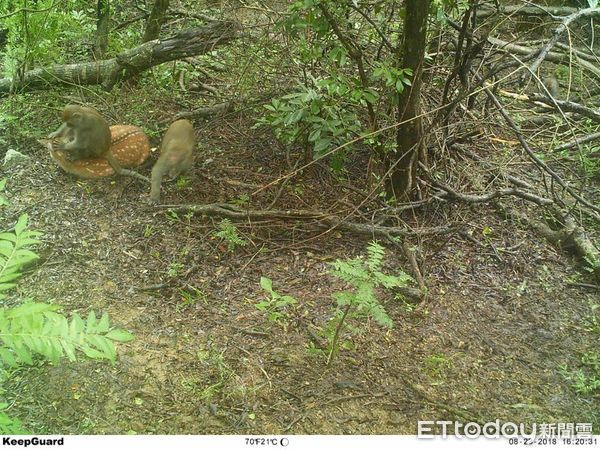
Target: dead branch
[129,63]
[321,219]
[518,182]
[208,88]
[583,55]
[562,27]
[128,22]
[533,10]
[570,236]
[206,112]
[558,58]
[471,198]
[534,157]
[410,254]
[191,15]
[578,141]
[568,106]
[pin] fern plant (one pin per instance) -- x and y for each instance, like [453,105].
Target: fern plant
[38,329]
[8,424]
[229,234]
[364,275]
[15,253]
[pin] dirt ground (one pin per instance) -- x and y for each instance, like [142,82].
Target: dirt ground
[501,328]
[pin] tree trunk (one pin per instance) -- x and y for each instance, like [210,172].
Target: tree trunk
[156,19]
[409,137]
[102,28]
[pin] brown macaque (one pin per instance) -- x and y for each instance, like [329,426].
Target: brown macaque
[551,85]
[176,155]
[129,146]
[86,134]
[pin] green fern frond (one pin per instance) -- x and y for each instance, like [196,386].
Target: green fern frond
[375,254]
[228,232]
[379,315]
[36,329]
[10,425]
[15,252]
[351,271]
[391,281]
[364,275]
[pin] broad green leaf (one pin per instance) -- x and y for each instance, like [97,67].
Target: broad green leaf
[266,284]
[119,335]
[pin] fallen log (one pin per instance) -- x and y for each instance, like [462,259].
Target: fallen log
[128,64]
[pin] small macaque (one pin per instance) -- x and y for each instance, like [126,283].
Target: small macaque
[86,134]
[551,86]
[129,146]
[176,155]
[83,134]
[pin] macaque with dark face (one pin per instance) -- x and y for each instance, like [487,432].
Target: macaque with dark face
[83,134]
[176,155]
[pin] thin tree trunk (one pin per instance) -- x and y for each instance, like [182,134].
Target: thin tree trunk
[156,19]
[409,142]
[102,28]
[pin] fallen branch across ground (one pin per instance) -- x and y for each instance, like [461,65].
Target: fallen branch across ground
[545,102]
[329,221]
[593,209]
[570,236]
[578,141]
[562,27]
[127,64]
[555,57]
[322,219]
[533,10]
[567,106]
[472,198]
[206,112]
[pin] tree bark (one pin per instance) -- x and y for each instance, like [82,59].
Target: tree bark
[156,19]
[409,142]
[192,42]
[102,28]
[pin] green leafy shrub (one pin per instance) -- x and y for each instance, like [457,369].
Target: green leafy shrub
[315,118]
[586,379]
[38,36]
[8,424]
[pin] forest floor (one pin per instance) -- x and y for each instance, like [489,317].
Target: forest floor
[501,335]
